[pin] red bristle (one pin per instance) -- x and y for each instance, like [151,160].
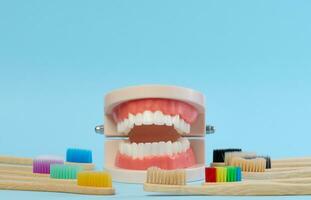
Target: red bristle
[210,174]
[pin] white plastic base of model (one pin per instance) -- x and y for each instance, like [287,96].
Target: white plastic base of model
[195,173]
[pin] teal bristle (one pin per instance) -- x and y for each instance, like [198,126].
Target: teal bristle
[61,171]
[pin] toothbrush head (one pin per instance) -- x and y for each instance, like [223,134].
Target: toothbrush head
[42,164]
[94,179]
[61,171]
[79,155]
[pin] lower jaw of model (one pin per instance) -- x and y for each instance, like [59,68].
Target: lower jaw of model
[154,132]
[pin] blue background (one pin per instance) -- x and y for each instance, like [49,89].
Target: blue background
[251,59]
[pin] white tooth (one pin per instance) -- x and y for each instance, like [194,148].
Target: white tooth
[183,144]
[128,149]
[121,127]
[179,125]
[131,121]
[134,150]
[162,148]
[168,120]
[147,149]
[158,118]
[187,129]
[174,147]
[125,125]
[186,144]
[182,125]
[139,119]
[154,149]
[179,147]
[126,131]
[147,117]
[175,118]
[175,121]
[179,131]
[169,148]
[140,150]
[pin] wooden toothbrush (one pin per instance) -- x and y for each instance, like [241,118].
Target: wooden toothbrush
[52,187]
[291,162]
[262,188]
[23,163]
[293,173]
[173,182]
[87,182]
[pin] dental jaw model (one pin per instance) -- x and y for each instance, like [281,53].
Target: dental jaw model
[155,122]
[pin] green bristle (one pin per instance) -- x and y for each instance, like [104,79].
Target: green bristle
[60,171]
[231,174]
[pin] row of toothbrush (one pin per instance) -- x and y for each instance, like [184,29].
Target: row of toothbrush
[233,172]
[51,173]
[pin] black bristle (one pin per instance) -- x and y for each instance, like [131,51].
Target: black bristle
[268,161]
[219,154]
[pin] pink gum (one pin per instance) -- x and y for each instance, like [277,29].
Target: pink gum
[167,106]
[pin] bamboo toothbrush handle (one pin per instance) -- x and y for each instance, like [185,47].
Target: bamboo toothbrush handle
[286,169]
[21,173]
[15,160]
[291,164]
[292,180]
[241,189]
[293,159]
[28,161]
[306,180]
[298,173]
[86,166]
[47,187]
[37,179]
[13,167]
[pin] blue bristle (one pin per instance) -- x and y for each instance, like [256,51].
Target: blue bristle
[238,174]
[79,155]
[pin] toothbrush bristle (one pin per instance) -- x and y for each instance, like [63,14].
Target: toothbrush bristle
[268,161]
[219,154]
[42,164]
[223,174]
[250,165]
[210,174]
[79,155]
[94,179]
[241,154]
[61,171]
[167,177]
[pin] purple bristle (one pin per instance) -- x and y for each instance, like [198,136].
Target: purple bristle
[42,164]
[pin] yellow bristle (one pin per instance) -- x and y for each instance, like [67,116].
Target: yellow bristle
[94,179]
[221,174]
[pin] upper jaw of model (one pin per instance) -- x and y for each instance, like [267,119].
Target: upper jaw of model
[158,112]
[153,118]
